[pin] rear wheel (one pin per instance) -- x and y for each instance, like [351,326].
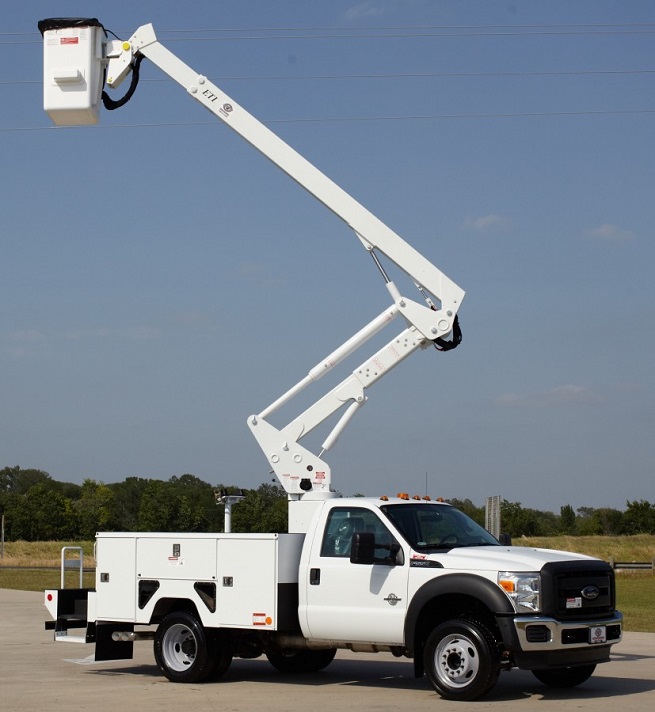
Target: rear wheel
[565,676]
[461,660]
[182,649]
[299,661]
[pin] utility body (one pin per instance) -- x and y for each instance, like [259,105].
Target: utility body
[412,577]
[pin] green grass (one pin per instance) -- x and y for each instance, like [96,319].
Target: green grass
[640,547]
[42,553]
[40,579]
[635,589]
[635,598]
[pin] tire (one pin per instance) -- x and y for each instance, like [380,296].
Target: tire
[183,649]
[565,676]
[300,661]
[461,660]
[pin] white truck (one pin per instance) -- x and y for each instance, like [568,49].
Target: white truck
[409,576]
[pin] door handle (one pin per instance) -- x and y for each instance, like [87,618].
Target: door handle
[314,577]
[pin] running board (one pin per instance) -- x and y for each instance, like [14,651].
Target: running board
[63,637]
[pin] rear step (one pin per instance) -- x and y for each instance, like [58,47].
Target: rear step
[68,607]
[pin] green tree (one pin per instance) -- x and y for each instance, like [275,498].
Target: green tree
[195,504]
[604,521]
[13,479]
[567,519]
[517,521]
[41,514]
[127,503]
[639,517]
[94,508]
[262,510]
[466,506]
[157,509]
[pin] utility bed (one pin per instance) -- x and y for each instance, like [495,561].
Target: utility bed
[233,580]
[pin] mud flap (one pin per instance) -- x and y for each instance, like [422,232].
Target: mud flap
[109,649]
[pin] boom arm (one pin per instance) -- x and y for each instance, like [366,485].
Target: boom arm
[298,470]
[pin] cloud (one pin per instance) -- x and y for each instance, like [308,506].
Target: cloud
[256,273]
[484,223]
[29,335]
[19,345]
[132,333]
[188,318]
[32,336]
[610,232]
[32,343]
[558,396]
[369,8]
[250,270]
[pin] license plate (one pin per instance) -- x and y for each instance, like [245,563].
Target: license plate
[598,634]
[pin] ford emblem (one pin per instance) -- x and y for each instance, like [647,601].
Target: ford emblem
[590,592]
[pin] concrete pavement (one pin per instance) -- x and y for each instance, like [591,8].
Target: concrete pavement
[35,674]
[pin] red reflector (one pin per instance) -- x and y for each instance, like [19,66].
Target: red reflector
[50,597]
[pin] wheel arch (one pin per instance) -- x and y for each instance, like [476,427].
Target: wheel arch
[452,596]
[164,606]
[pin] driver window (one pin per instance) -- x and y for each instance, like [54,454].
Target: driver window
[343,522]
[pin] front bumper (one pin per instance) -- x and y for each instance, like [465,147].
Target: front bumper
[542,642]
[542,633]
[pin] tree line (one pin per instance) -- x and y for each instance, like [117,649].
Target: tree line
[38,508]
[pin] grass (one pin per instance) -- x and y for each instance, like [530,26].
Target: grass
[635,589]
[44,560]
[43,553]
[635,598]
[40,579]
[640,548]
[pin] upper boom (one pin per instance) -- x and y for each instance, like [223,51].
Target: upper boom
[77,55]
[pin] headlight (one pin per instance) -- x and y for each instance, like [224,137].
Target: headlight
[523,590]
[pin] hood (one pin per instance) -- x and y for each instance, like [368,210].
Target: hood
[502,558]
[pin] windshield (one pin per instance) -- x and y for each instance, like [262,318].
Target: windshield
[428,527]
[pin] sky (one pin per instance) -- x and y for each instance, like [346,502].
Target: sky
[161,280]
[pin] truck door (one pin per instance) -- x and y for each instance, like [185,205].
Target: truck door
[355,602]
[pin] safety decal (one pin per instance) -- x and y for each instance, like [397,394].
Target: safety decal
[261,619]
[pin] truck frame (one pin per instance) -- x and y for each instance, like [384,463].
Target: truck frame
[408,576]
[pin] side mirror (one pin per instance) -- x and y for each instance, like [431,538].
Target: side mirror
[362,550]
[505,539]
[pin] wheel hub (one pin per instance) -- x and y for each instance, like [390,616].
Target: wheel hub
[179,648]
[457,660]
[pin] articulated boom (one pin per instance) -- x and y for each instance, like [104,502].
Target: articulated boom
[298,470]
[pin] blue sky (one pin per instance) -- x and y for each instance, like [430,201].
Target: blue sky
[161,280]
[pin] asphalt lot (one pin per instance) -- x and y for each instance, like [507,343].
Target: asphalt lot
[37,674]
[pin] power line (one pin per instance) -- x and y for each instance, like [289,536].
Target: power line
[399,75]
[412,35]
[352,119]
[384,32]
[388,28]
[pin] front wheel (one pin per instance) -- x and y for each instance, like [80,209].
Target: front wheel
[183,649]
[565,676]
[461,660]
[299,661]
